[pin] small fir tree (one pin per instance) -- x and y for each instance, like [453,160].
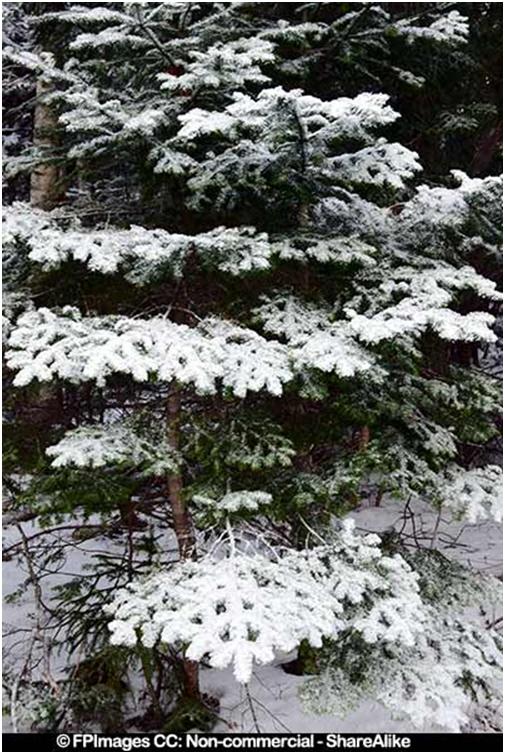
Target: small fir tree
[249,310]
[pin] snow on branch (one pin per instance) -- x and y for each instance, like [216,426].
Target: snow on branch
[240,500]
[473,494]
[324,121]
[116,443]
[467,661]
[241,609]
[142,254]
[315,339]
[85,16]
[437,210]
[382,164]
[230,64]
[320,338]
[331,249]
[292,131]
[423,297]
[451,29]
[45,344]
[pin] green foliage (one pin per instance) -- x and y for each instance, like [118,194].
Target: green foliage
[99,689]
[53,494]
[124,79]
[244,441]
[466,656]
[189,714]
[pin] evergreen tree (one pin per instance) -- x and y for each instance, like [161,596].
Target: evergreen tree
[251,313]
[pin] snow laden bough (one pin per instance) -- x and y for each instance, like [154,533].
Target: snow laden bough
[466,654]
[375,618]
[467,659]
[474,494]
[46,344]
[240,608]
[116,443]
[141,254]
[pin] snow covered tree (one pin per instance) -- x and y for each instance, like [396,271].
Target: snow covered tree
[250,308]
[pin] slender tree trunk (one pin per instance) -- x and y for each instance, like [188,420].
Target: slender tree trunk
[45,180]
[45,183]
[363,437]
[486,149]
[183,524]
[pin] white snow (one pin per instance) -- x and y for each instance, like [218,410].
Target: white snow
[273,693]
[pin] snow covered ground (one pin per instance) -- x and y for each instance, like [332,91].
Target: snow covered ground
[274,703]
[477,545]
[271,702]
[273,693]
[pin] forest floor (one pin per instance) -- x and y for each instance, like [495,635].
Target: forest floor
[272,703]
[273,694]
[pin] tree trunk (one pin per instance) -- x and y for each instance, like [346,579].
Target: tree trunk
[191,679]
[183,525]
[45,180]
[45,183]
[363,437]
[487,149]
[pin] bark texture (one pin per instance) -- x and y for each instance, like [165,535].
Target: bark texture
[182,523]
[46,189]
